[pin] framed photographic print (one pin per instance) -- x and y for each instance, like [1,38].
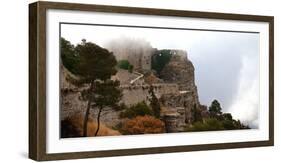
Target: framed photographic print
[111,81]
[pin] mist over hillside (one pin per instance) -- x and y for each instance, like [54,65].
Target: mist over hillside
[221,53]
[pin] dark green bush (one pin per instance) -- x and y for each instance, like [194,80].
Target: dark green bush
[140,109]
[125,64]
[130,68]
[229,124]
[159,59]
[210,124]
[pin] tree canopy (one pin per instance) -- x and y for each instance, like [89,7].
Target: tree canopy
[95,62]
[215,109]
[68,56]
[159,59]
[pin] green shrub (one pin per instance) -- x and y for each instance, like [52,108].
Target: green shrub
[140,109]
[130,68]
[125,64]
[229,125]
[210,124]
[213,124]
[159,59]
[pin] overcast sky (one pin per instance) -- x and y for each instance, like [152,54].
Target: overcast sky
[226,63]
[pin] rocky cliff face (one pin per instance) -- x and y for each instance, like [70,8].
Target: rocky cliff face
[176,92]
[179,70]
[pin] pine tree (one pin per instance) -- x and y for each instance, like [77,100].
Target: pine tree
[215,109]
[95,67]
[106,94]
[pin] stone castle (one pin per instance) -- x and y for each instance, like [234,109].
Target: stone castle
[174,87]
[137,52]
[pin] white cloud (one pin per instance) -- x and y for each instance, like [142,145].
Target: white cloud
[246,103]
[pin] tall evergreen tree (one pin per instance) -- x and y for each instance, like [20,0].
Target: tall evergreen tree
[95,67]
[215,109]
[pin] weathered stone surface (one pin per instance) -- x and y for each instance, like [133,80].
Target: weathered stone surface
[204,111]
[72,104]
[179,70]
[109,116]
[174,118]
[186,100]
[126,77]
[171,122]
[133,94]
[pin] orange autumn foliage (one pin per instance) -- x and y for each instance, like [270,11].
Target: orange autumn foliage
[73,127]
[143,125]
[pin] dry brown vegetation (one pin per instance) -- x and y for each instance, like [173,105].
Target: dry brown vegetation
[73,127]
[143,125]
[151,79]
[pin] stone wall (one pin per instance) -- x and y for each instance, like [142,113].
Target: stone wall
[174,119]
[133,94]
[182,104]
[72,103]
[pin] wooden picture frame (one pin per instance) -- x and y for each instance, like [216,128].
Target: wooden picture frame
[38,79]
